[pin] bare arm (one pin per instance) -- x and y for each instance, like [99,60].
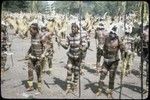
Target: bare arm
[66,44]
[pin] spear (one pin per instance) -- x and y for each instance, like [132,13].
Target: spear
[141,68]
[80,43]
[122,68]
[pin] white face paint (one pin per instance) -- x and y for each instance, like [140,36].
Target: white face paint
[146,35]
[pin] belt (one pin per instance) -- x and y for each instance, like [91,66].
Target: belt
[72,56]
[111,60]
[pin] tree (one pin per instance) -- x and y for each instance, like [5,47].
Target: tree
[15,6]
[25,6]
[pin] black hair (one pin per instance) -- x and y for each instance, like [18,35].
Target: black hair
[43,28]
[101,24]
[83,18]
[112,19]
[114,28]
[74,25]
[113,35]
[3,28]
[146,27]
[101,19]
[126,32]
[100,28]
[111,32]
[35,26]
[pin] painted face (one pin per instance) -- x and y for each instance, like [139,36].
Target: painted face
[33,30]
[74,29]
[112,35]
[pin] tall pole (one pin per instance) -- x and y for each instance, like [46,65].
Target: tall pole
[122,70]
[141,68]
[118,11]
[80,44]
[125,11]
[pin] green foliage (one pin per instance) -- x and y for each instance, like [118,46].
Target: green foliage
[25,6]
[15,6]
[113,8]
[98,7]
[65,7]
